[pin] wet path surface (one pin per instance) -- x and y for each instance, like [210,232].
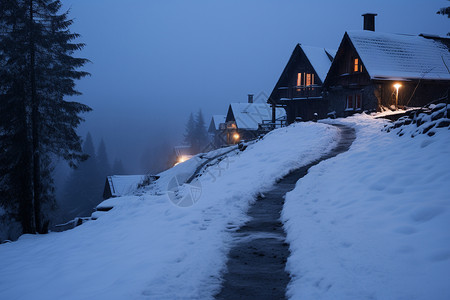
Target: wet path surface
[256,263]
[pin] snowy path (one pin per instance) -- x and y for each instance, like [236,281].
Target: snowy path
[148,248]
[256,263]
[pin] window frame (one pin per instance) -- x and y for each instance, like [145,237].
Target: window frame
[356,65]
[358,97]
[349,99]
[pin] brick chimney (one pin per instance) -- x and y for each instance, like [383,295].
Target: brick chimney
[369,21]
[250,98]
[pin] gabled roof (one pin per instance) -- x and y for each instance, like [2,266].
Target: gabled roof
[320,59]
[397,56]
[121,185]
[216,120]
[250,115]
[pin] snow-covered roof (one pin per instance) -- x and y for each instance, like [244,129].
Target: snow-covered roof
[218,119]
[397,56]
[121,185]
[319,59]
[250,115]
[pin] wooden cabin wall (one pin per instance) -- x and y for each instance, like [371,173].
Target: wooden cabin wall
[337,99]
[412,94]
[427,92]
[288,80]
[342,73]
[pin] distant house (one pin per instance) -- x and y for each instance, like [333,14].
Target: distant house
[299,88]
[216,130]
[372,70]
[120,185]
[246,121]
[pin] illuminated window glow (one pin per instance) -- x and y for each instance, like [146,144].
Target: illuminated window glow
[299,79]
[308,79]
[357,66]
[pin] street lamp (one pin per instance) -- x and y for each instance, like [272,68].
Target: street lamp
[397,86]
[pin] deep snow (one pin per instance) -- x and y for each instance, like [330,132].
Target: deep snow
[146,247]
[373,223]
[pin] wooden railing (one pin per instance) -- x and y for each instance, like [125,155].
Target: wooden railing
[300,92]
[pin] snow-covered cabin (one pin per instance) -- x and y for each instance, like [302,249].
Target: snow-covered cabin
[216,130]
[120,185]
[246,121]
[372,70]
[299,88]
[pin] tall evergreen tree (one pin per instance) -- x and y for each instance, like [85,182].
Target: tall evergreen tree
[37,71]
[189,136]
[196,134]
[201,134]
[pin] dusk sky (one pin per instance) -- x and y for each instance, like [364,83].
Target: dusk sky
[154,62]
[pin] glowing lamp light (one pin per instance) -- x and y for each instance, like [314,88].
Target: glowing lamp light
[236,136]
[397,86]
[182,158]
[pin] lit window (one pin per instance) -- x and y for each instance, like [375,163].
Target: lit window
[350,102]
[299,79]
[355,65]
[358,104]
[308,79]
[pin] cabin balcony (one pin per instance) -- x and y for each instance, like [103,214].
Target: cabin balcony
[300,92]
[356,79]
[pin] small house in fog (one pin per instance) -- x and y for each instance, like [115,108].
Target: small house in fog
[216,130]
[372,70]
[245,121]
[120,185]
[299,88]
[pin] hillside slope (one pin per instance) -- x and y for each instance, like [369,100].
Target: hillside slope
[373,223]
[146,246]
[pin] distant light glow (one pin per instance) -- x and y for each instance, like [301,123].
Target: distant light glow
[182,158]
[397,85]
[236,136]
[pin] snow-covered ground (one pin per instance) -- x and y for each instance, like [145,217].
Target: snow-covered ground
[147,247]
[374,222]
[371,223]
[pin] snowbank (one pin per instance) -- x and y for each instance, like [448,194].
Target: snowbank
[373,223]
[146,247]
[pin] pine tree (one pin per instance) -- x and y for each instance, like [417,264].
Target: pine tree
[16,187]
[201,134]
[189,136]
[196,134]
[37,71]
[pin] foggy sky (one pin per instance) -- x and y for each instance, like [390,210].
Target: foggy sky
[154,62]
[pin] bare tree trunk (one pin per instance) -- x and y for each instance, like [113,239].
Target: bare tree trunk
[35,125]
[26,207]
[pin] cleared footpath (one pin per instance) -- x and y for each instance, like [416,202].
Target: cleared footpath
[256,262]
